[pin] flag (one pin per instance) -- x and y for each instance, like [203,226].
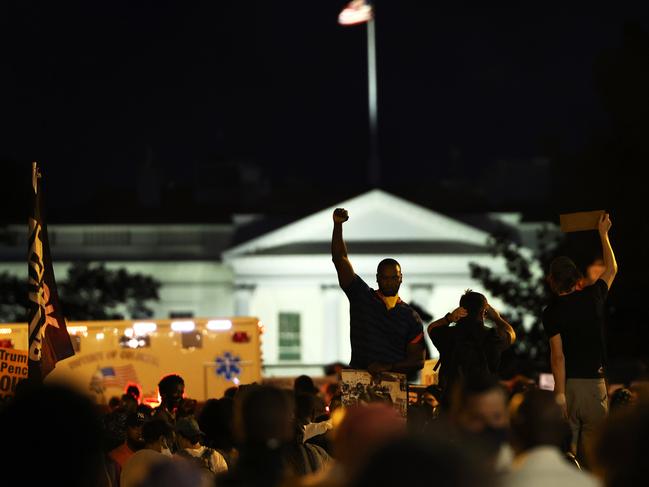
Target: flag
[356,12]
[118,377]
[49,340]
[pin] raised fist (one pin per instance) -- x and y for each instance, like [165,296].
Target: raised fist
[340,215]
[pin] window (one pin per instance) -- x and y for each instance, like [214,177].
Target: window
[192,339]
[289,336]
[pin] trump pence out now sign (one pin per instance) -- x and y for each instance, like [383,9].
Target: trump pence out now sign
[13,369]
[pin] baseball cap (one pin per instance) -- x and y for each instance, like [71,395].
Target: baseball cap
[135,419]
[188,427]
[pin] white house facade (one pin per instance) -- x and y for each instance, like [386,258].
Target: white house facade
[284,277]
[287,278]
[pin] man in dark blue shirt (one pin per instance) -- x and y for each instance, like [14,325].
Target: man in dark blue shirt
[386,334]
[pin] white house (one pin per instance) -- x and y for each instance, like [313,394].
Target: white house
[285,277]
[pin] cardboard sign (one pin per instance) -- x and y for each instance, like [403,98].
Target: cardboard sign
[13,369]
[429,375]
[580,221]
[358,387]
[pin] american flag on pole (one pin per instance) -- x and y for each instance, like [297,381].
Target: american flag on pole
[49,340]
[356,12]
[118,377]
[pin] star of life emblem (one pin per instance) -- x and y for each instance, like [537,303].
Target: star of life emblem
[228,366]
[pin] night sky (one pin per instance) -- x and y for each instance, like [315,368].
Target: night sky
[93,89]
[143,111]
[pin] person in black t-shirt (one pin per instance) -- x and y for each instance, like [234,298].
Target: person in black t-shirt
[574,324]
[386,334]
[470,350]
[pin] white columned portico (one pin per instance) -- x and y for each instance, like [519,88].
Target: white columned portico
[331,313]
[421,294]
[242,299]
[291,267]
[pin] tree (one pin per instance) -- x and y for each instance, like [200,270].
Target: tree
[89,292]
[13,298]
[525,292]
[92,292]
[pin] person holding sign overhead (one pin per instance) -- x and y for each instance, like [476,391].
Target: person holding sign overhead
[574,324]
[386,333]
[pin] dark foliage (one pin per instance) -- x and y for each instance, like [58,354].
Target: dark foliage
[89,292]
[524,290]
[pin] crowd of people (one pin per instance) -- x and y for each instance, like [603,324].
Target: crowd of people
[469,429]
[262,435]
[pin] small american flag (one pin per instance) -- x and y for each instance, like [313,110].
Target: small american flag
[117,376]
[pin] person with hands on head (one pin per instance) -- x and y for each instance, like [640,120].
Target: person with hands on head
[469,350]
[386,333]
[574,325]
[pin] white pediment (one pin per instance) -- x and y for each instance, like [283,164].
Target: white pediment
[375,216]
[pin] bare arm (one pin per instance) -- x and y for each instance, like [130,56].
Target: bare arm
[339,250]
[502,325]
[558,364]
[610,263]
[449,318]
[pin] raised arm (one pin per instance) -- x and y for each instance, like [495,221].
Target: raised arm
[610,264]
[447,319]
[339,250]
[502,326]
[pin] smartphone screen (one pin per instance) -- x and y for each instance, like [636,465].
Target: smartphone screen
[546,382]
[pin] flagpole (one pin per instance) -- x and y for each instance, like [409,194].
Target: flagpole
[374,169]
[362,12]
[34,265]
[49,340]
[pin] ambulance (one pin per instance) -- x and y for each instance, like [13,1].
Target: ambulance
[210,354]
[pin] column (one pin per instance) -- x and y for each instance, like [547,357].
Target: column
[421,294]
[242,298]
[331,326]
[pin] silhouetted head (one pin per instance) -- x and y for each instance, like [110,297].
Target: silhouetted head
[157,434]
[304,385]
[620,452]
[478,404]
[230,392]
[64,419]
[475,304]
[419,459]
[128,403]
[536,420]
[216,420]
[134,390]
[363,430]
[563,276]
[171,389]
[263,417]
[388,277]
[187,428]
[304,408]
[113,403]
